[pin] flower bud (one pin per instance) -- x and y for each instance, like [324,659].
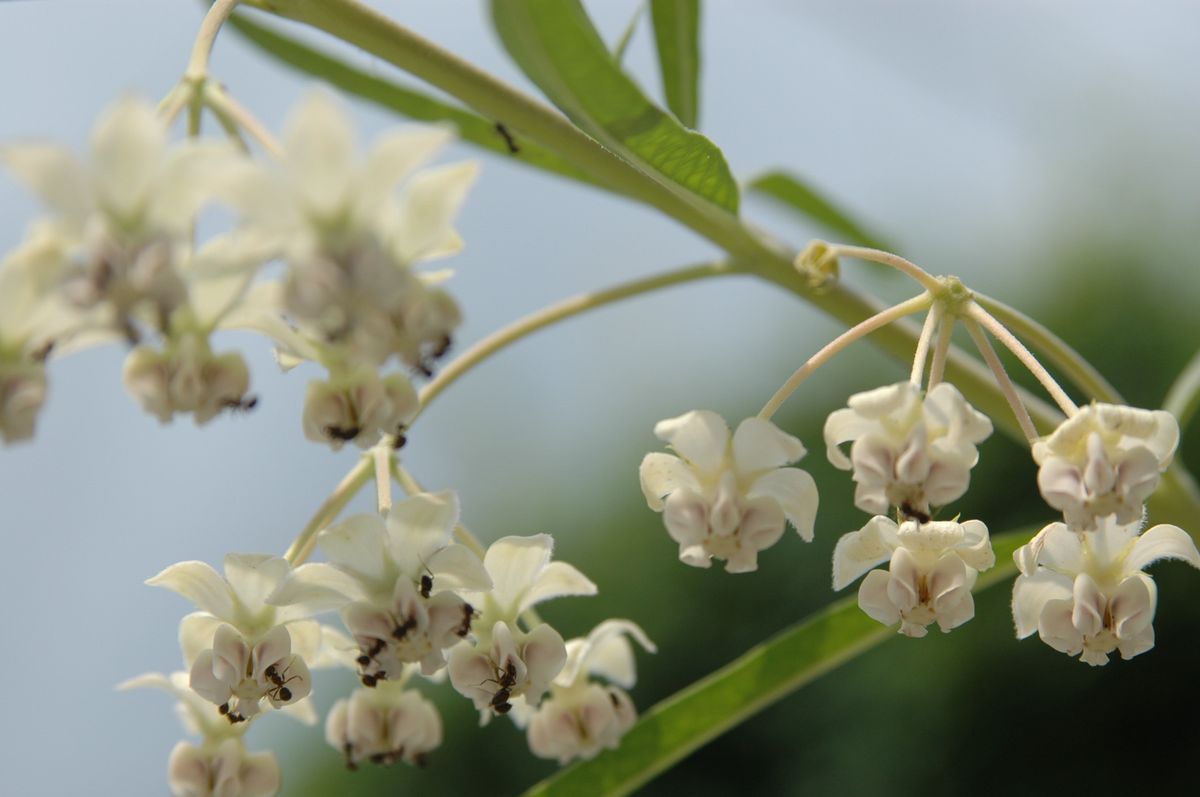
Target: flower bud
[225,770]
[358,406]
[384,725]
[581,722]
[186,377]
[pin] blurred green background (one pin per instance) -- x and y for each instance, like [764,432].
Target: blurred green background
[1044,152]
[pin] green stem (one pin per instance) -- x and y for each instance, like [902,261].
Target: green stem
[1183,399]
[230,112]
[206,37]
[301,548]
[1053,348]
[907,267]
[565,309]
[1002,379]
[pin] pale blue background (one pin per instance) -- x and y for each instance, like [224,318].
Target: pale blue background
[959,129]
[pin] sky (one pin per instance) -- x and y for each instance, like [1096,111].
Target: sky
[976,135]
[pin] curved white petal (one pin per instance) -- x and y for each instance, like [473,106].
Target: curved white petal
[317,587]
[605,652]
[700,437]
[1163,541]
[420,228]
[52,173]
[556,580]
[796,493]
[859,551]
[199,583]
[253,577]
[1031,593]
[1132,607]
[421,524]
[662,474]
[319,146]
[196,632]
[976,548]
[392,158]
[457,567]
[127,147]
[841,427]
[1061,549]
[357,544]
[514,564]
[873,598]
[759,444]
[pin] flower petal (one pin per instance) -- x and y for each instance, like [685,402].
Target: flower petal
[314,588]
[1030,595]
[556,580]
[859,551]
[319,148]
[128,144]
[196,632]
[796,493]
[199,583]
[420,227]
[514,564]
[873,598]
[254,577]
[662,474]
[700,437]
[1163,541]
[392,158]
[759,444]
[50,172]
[356,545]
[457,567]
[420,525]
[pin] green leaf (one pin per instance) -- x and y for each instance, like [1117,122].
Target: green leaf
[627,35]
[800,197]
[557,46]
[472,127]
[760,677]
[677,34]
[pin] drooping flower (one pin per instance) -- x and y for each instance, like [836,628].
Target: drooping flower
[505,660]
[240,649]
[123,221]
[909,451]
[727,496]
[220,766]
[581,717]
[397,582]
[358,406]
[1105,460]
[350,241]
[1085,594]
[932,568]
[383,725]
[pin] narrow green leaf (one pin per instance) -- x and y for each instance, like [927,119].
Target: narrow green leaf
[557,46]
[472,127]
[627,35]
[677,34]
[800,197]
[760,677]
[1183,399]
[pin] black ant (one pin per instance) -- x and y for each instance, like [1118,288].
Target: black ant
[426,585]
[509,141]
[279,692]
[232,716]
[468,614]
[343,433]
[443,346]
[500,701]
[401,630]
[244,404]
[912,513]
[371,681]
[506,680]
[399,438]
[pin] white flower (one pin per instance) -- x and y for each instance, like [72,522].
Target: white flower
[582,717]
[1085,592]
[727,496]
[350,241]
[240,649]
[383,725]
[220,766]
[1105,460]
[185,376]
[396,583]
[506,661]
[932,567]
[357,406]
[909,451]
[224,769]
[123,222]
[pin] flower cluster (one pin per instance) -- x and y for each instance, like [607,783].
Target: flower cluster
[1081,587]
[414,602]
[116,259]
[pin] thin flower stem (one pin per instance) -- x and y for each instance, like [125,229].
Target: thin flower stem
[880,319]
[926,280]
[218,13]
[567,308]
[301,547]
[922,354]
[230,111]
[169,107]
[937,366]
[1010,342]
[412,487]
[1056,350]
[1003,381]
[382,456]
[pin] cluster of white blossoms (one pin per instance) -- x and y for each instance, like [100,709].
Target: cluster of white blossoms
[1081,587]
[116,259]
[413,602]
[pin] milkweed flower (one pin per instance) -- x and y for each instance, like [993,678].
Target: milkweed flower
[505,661]
[1105,460]
[397,582]
[1085,593]
[726,495]
[908,449]
[240,649]
[931,570]
[581,716]
[384,725]
[220,766]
